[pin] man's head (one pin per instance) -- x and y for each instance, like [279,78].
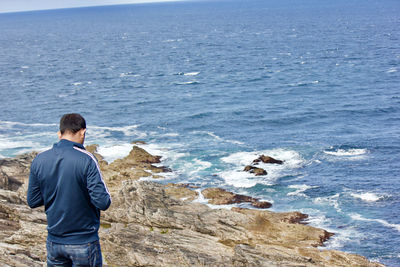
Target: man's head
[72,127]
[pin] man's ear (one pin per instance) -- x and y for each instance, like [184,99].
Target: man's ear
[59,135]
[82,133]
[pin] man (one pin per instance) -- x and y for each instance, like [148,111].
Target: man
[67,181]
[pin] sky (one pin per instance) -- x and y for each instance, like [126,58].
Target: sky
[28,5]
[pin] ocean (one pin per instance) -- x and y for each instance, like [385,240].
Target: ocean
[212,85]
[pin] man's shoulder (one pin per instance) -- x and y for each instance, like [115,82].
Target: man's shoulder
[84,153]
[42,159]
[44,155]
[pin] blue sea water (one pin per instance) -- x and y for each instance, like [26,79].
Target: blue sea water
[211,85]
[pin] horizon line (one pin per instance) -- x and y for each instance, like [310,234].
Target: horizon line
[86,6]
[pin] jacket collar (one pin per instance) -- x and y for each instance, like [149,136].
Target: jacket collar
[65,142]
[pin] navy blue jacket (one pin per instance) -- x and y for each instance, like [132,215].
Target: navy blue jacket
[67,181]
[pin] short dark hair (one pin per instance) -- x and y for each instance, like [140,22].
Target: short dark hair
[72,122]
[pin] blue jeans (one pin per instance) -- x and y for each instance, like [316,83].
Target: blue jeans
[88,254]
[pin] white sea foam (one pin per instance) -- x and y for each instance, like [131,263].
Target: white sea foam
[201,199]
[196,166]
[300,189]
[128,74]
[347,152]
[391,70]
[243,179]
[20,146]
[218,137]
[239,178]
[130,131]
[332,201]
[368,196]
[171,40]
[359,217]
[318,218]
[77,83]
[303,83]
[342,236]
[169,134]
[194,73]
[187,83]
[149,178]
[31,139]
[214,135]
[22,142]
[115,151]
[291,159]
[166,152]
[112,151]
[13,123]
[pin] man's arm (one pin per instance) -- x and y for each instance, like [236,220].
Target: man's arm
[34,195]
[99,195]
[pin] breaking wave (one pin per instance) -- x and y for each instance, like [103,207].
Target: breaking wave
[358,217]
[237,177]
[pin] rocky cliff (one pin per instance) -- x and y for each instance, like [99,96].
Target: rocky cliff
[149,224]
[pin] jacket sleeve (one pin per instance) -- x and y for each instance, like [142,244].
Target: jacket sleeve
[34,195]
[99,195]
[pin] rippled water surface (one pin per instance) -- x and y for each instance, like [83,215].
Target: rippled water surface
[210,86]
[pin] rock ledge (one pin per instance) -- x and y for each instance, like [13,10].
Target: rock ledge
[149,224]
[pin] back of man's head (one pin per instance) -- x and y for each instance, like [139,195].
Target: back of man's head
[72,122]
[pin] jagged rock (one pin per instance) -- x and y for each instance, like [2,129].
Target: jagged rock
[137,164]
[261,204]
[138,142]
[15,171]
[181,192]
[150,224]
[219,196]
[160,169]
[139,155]
[155,230]
[93,149]
[184,185]
[255,170]
[22,231]
[267,159]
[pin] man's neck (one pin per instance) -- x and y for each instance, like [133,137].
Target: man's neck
[77,137]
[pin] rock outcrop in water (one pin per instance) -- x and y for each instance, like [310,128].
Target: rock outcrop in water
[149,224]
[256,171]
[259,171]
[267,159]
